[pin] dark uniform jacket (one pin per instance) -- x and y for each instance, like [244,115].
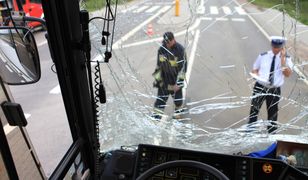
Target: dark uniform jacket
[172,65]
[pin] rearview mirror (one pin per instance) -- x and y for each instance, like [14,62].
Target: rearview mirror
[19,59]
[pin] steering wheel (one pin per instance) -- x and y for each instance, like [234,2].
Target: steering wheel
[182,163]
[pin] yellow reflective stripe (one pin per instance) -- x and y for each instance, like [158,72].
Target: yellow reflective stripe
[162,58]
[181,76]
[173,63]
[157,75]
[170,87]
[158,111]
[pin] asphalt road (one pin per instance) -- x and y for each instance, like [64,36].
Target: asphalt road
[222,45]
[219,87]
[42,102]
[229,44]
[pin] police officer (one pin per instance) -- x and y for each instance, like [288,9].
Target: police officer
[169,75]
[271,67]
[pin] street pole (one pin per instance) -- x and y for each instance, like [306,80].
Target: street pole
[177,7]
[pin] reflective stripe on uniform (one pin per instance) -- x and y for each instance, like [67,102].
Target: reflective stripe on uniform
[158,111]
[170,87]
[162,58]
[173,63]
[180,79]
[157,75]
[181,76]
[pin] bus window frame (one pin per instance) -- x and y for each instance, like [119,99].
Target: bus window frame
[7,155]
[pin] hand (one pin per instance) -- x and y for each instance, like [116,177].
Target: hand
[283,52]
[155,84]
[176,88]
[255,71]
[283,56]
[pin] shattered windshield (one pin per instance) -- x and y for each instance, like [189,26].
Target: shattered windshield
[225,76]
[197,74]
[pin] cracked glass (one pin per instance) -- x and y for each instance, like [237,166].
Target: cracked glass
[215,45]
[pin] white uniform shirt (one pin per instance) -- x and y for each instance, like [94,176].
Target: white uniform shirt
[263,65]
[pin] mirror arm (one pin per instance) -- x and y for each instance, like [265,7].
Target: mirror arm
[84,19]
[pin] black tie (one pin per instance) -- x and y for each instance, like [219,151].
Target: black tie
[271,76]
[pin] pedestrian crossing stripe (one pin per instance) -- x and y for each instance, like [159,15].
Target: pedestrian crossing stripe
[238,19]
[127,9]
[226,10]
[223,19]
[152,9]
[142,8]
[240,10]
[213,10]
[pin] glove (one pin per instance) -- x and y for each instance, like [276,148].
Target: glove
[155,84]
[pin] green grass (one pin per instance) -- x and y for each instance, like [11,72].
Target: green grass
[93,5]
[289,6]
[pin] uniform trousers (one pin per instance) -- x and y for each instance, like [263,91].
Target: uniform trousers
[163,95]
[272,96]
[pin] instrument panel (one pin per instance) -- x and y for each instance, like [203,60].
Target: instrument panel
[234,167]
[129,165]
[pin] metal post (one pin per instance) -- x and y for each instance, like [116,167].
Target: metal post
[177,7]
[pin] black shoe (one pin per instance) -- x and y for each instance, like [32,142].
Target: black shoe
[180,112]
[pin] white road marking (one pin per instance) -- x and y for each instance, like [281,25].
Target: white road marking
[213,10]
[201,8]
[14,68]
[238,19]
[2,57]
[226,66]
[7,67]
[142,8]
[240,10]
[191,28]
[27,115]
[190,61]
[221,19]
[136,29]
[25,77]
[226,10]
[55,90]
[162,3]
[152,9]
[192,55]
[256,24]
[129,9]
[206,18]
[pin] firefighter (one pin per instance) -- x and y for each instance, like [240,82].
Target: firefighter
[169,75]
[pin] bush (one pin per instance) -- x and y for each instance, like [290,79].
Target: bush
[289,6]
[93,5]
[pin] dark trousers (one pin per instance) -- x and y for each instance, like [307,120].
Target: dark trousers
[163,95]
[272,97]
